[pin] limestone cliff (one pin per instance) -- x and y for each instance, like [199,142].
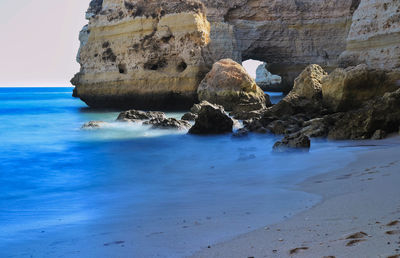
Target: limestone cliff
[374,37]
[153,54]
[142,54]
[287,34]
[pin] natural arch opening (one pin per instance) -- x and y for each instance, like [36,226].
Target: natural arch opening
[267,81]
[264,79]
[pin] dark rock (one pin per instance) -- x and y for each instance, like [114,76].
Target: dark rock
[94,125]
[294,141]
[136,115]
[212,119]
[168,123]
[189,116]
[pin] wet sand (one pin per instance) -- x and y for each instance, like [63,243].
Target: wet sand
[358,217]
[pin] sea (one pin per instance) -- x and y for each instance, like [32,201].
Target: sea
[126,190]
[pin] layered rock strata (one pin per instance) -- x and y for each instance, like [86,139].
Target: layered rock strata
[143,54]
[374,37]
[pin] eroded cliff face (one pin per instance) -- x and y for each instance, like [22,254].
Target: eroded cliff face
[153,54]
[142,54]
[287,34]
[374,37]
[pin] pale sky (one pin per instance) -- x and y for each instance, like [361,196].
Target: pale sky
[39,41]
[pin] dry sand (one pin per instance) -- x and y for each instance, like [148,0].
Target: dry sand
[358,217]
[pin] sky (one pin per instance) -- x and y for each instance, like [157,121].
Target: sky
[39,41]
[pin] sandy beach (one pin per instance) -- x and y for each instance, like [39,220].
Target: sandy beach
[358,217]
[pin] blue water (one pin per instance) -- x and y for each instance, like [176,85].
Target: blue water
[128,191]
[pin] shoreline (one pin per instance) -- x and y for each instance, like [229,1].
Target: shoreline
[361,198]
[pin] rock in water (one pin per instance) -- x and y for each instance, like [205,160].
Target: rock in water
[346,89]
[266,80]
[137,115]
[143,54]
[94,125]
[189,116]
[212,119]
[294,141]
[168,123]
[228,84]
[309,83]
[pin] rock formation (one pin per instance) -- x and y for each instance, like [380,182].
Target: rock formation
[374,35]
[268,81]
[154,54]
[309,82]
[229,85]
[287,34]
[212,119]
[346,89]
[143,54]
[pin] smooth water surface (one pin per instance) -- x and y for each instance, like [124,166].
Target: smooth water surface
[128,191]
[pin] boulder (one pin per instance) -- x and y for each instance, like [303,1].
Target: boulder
[309,83]
[168,123]
[294,141]
[266,80]
[212,119]
[94,125]
[346,89]
[228,84]
[137,115]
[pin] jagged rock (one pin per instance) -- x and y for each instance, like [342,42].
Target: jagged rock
[137,115]
[228,84]
[143,54]
[94,125]
[266,80]
[294,141]
[309,83]
[382,113]
[168,123]
[374,35]
[212,119]
[346,89]
[189,116]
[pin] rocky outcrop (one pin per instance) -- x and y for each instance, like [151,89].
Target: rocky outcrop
[154,54]
[266,80]
[346,89]
[374,35]
[137,115]
[294,141]
[287,34]
[212,119]
[380,114]
[143,54]
[228,84]
[309,83]
[94,125]
[168,123]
